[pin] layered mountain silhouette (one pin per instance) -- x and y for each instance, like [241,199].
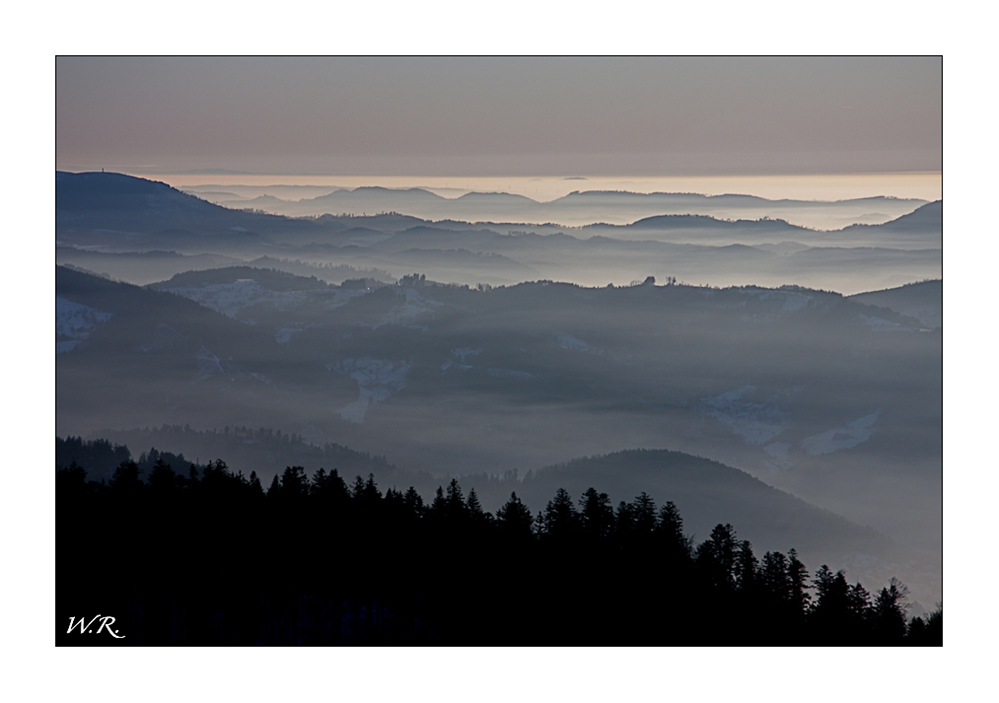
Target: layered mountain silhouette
[574,209]
[104,214]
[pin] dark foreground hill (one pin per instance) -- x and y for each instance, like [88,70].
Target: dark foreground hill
[209,558]
[706,491]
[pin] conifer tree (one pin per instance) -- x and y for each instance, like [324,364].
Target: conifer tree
[596,515]
[454,502]
[643,512]
[275,490]
[746,567]
[888,612]
[413,502]
[515,518]
[438,508]
[560,520]
[255,488]
[294,483]
[474,506]
[669,528]
[858,603]
[797,576]
[162,479]
[775,577]
[716,556]
[126,478]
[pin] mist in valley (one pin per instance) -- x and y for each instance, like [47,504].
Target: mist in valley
[459,349]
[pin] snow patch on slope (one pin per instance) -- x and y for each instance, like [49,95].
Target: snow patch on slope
[414,305]
[777,453]
[208,365]
[76,321]
[510,374]
[282,335]
[757,422]
[851,435]
[462,354]
[793,301]
[568,341]
[377,379]
[881,325]
[231,298]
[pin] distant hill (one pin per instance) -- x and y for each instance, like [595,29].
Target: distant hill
[268,278]
[923,218]
[140,267]
[244,449]
[923,301]
[707,493]
[699,221]
[115,210]
[922,227]
[587,207]
[260,202]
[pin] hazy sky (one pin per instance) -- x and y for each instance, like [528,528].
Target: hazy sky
[482,116]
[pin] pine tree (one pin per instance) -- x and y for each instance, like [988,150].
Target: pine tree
[474,506]
[454,503]
[438,508]
[669,528]
[858,603]
[746,568]
[775,577]
[716,556]
[294,483]
[413,502]
[515,518]
[643,512]
[797,576]
[255,488]
[596,514]
[163,479]
[274,492]
[888,612]
[560,520]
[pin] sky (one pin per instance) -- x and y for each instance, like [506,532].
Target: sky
[487,117]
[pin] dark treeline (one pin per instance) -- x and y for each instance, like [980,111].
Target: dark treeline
[257,449]
[208,556]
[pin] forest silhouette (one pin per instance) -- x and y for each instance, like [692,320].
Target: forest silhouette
[208,556]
